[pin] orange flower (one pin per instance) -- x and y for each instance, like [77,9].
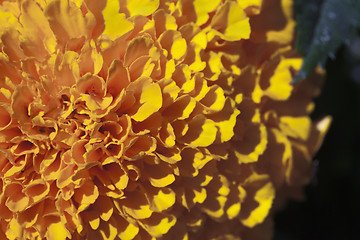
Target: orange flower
[150,119]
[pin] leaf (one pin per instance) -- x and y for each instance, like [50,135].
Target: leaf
[307,15]
[321,31]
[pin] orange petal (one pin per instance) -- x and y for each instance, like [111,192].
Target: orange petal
[158,224]
[118,78]
[22,98]
[159,175]
[117,175]
[17,201]
[140,146]
[138,47]
[127,230]
[202,132]
[62,15]
[39,38]
[137,206]
[86,195]
[5,117]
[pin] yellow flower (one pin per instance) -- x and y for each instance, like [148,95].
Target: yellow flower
[150,119]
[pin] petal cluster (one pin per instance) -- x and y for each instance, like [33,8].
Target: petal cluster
[152,119]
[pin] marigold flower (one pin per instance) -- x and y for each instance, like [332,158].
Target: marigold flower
[152,119]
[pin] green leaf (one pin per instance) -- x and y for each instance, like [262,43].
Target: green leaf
[307,15]
[322,27]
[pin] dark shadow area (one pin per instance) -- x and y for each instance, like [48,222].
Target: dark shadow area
[332,206]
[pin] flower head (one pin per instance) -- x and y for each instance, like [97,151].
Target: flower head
[127,119]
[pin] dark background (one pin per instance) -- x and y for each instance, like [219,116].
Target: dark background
[332,206]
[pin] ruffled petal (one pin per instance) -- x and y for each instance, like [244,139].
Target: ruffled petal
[128,119]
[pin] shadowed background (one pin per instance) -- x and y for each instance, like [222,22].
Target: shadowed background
[331,208]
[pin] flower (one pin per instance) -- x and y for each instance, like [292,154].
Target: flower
[127,119]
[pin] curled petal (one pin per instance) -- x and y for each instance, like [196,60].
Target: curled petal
[129,119]
[202,132]
[160,175]
[86,195]
[158,224]
[264,197]
[126,229]
[231,22]
[61,16]
[150,98]
[22,97]
[137,206]
[118,78]
[16,201]
[39,38]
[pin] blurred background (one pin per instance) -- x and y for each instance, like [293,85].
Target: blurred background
[332,206]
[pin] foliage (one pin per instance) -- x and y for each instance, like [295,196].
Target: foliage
[323,25]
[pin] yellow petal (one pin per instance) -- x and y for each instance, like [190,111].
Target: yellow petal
[86,195]
[150,98]
[90,59]
[114,19]
[126,230]
[322,127]
[67,68]
[214,99]
[65,176]
[118,78]
[8,18]
[280,82]
[287,154]
[199,196]
[109,229]
[215,64]
[57,231]
[160,175]
[138,47]
[142,7]
[36,26]
[203,8]
[169,88]
[13,169]
[117,176]
[15,231]
[167,135]
[17,201]
[226,126]
[280,29]
[216,209]
[62,15]
[233,210]
[106,207]
[202,132]
[37,190]
[94,223]
[164,21]
[137,206]
[296,127]
[180,109]
[231,23]
[158,224]
[264,196]
[247,3]
[257,134]
[161,198]
[173,42]
[200,160]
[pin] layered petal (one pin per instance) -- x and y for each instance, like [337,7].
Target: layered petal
[128,119]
